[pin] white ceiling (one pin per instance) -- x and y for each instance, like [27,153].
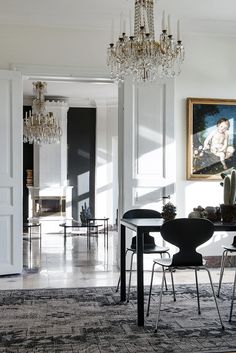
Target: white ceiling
[98,13]
[195,15]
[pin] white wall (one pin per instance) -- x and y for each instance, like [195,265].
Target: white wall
[106,194]
[148,149]
[209,71]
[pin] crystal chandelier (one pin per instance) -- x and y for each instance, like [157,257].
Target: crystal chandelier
[140,55]
[41,127]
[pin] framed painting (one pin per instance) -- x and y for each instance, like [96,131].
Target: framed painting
[211,137]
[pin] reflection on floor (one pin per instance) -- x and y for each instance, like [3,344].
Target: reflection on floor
[54,266]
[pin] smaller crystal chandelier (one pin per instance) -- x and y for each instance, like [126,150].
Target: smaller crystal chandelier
[41,127]
[140,55]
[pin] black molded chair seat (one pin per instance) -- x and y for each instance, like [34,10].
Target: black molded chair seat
[187,234]
[149,242]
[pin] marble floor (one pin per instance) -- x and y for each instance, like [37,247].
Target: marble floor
[53,265]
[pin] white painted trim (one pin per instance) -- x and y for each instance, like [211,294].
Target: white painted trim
[60,73]
[11,180]
[77,102]
[66,74]
[120,151]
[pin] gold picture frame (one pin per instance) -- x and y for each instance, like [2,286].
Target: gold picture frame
[211,137]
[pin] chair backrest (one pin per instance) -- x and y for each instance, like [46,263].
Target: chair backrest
[141,213]
[149,241]
[187,234]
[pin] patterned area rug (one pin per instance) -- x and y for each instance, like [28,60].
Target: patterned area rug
[92,320]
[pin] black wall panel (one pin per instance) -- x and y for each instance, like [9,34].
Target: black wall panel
[81,138]
[28,162]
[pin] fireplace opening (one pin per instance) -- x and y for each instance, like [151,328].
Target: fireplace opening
[49,206]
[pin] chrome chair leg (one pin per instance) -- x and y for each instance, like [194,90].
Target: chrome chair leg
[150,289]
[160,299]
[172,282]
[222,267]
[164,278]
[164,273]
[118,284]
[198,301]
[213,292]
[232,300]
[130,275]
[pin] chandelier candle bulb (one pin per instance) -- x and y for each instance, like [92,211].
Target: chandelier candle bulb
[131,24]
[146,21]
[178,31]
[163,21]
[169,25]
[112,32]
[124,26]
[121,23]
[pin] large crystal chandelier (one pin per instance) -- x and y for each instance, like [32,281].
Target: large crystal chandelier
[41,127]
[140,55]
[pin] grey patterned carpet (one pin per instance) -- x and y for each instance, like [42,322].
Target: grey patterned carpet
[92,320]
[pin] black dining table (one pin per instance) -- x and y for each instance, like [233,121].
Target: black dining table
[141,225]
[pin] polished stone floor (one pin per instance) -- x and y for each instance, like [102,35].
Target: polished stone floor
[53,265]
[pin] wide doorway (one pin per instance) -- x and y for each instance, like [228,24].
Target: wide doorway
[91,173]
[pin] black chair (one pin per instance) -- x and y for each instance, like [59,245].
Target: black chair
[149,242]
[187,234]
[229,250]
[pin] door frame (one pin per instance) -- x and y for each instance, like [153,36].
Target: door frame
[72,74]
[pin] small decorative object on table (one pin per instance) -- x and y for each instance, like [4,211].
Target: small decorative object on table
[198,212]
[85,214]
[228,208]
[213,213]
[168,212]
[210,212]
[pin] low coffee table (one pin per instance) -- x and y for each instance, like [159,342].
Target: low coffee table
[91,221]
[78,225]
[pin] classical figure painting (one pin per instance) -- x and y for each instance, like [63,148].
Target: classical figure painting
[211,137]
